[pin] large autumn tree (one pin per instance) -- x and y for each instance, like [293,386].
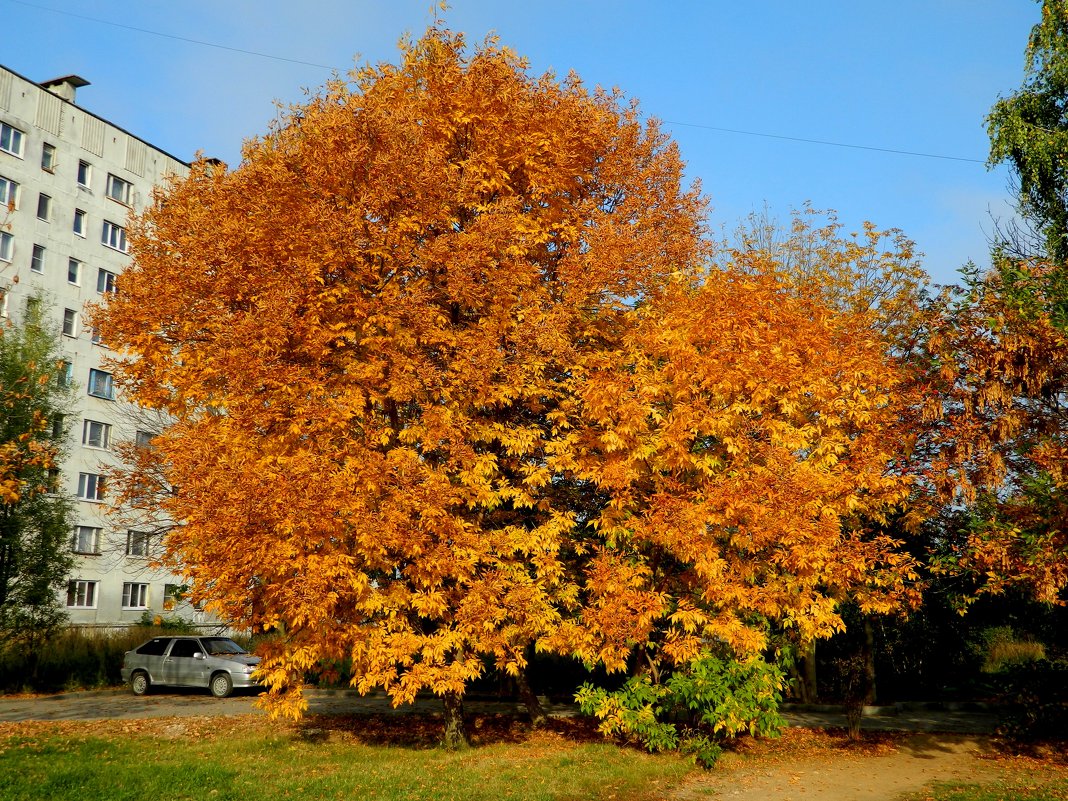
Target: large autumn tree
[451,376]
[366,336]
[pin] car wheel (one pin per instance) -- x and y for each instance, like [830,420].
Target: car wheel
[221,685]
[139,683]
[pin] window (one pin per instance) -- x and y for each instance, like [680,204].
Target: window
[3,302]
[185,649]
[65,375]
[114,236]
[7,246]
[118,189]
[81,594]
[58,426]
[156,647]
[85,172]
[100,385]
[44,207]
[70,323]
[74,271]
[48,157]
[172,594]
[138,543]
[33,311]
[143,439]
[86,539]
[10,139]
[94,336]
[105,281]
[90,487]
[37,259]
[9,193]
[134,596]
[96,435]
[79,222]
[52,481]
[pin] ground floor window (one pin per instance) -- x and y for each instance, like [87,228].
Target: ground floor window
[81,594]
[134,596]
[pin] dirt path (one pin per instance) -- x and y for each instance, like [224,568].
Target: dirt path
[878,773]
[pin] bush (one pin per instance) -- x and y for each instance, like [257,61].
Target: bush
[170,625]
[1035,694]
[699,707]
[632,712]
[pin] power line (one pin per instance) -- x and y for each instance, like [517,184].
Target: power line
[824,142]
[170,35]
[737,131]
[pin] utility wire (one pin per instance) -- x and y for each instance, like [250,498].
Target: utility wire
[170,35]
[740,132]
[824,142]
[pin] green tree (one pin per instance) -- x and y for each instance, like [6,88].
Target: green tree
[1029,131]
[35,520]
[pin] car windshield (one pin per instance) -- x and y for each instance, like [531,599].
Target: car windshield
[219,646]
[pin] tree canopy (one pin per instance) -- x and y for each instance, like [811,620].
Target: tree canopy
[452,376]
[1029,131]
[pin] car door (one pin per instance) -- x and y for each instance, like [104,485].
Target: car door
[150,657]
[185,665]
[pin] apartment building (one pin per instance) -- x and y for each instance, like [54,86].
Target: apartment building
[68,182]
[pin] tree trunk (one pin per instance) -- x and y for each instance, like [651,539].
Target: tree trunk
[455,733]
[538,718]
[869,661]
[854,709]
[809,688]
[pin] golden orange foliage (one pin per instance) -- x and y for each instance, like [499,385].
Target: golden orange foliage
[365,336]
[873,272]
[998,428]
[445,383]
[744,437]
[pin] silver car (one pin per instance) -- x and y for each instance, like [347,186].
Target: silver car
[218,663]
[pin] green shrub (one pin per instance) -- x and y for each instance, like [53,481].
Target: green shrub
[170,625]
[709,701]
[1035,695]
[730,697]
[632,712]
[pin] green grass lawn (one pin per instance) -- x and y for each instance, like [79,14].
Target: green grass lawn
[250,758]
[266,761]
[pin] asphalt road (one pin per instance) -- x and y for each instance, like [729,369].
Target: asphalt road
[122,705]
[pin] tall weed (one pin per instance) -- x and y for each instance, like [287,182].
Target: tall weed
[71,659]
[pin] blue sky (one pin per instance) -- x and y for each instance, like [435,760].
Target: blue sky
[913,75]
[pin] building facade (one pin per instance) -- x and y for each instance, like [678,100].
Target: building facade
[68,182]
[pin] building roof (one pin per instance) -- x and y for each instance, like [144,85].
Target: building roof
[77,81]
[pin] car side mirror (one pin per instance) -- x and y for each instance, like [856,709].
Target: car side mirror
[198,655]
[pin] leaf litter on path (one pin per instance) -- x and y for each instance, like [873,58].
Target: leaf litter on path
[812,765]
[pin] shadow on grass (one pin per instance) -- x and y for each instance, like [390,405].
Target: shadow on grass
[1050,752]
[425,730]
